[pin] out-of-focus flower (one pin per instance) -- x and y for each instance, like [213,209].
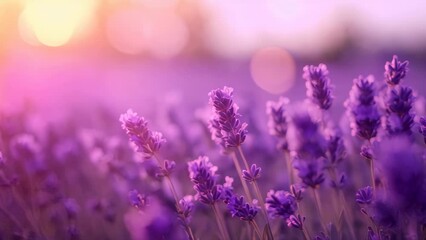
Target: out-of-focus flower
[146,141]
[71,208]
[384,214]
[318,85]
[239,208]
[296,221]
[277,123]
[253,174]
[138,200]
[203,174]
[297,191]
[167,169]
[25,147]
[371,235]
[186,207]
[280,204]
[310,172]
[367,152]
[403,171]
[361,108]
[400,119]
[227,130]
[321,236]
[364,195]
[336,150]
[422,128]
[395,71]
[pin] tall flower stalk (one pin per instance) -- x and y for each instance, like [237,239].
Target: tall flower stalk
[149,143]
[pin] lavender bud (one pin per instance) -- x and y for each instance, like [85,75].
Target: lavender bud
[186,207]
[318,85]
[367,152]
[277,123]
[296,221]
[395,71]
[239,208]
[400,117]
[364,195]
[146,141]
[253,174]
[296,191]
[336,150]
[280,204]
[203,174]
[310,171]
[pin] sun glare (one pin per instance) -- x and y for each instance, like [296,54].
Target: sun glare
[53,22]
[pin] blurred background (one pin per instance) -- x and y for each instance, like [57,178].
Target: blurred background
[57,56]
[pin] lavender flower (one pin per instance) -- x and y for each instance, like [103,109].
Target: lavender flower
[280,204]
[318,85]
[310,172]
[395,71]
[239,208]
[404,174]
[226,128]
[336,150]
[203,174]
[167,169]
[253,174]
[364,195]
[146,141]
[361,108]
[399,104]
[277,123]
[186,207]
[296,221]
[297,191]
[422,128]
[137,200]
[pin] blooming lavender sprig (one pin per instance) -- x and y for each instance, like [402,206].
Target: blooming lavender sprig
[252,174]
[281,204]
[186,208]
[318,85]
[296,221]
[277,122]
[361,108]
[203,174]
[239,208]
[422,128]
[395,71]
[364,195]
[136,127]
[400,118]
[227,130]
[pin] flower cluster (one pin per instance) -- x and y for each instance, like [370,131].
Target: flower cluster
[226,128]
[281,204]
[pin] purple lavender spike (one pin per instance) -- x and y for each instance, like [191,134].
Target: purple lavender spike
[400,118]
[146,141]
[138,200]
[203,174]
[186,208]
[281,204]
[277,123]
[361,108]
[318,85]
[253,174]
[395,71]
[239,208]
[226,128]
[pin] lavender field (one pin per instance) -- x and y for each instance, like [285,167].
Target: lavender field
[178,120]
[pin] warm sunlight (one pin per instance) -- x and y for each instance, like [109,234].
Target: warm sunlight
[53,22]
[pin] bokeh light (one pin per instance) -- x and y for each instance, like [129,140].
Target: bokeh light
[273,69]
[53,22]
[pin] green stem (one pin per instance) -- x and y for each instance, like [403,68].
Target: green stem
[256,228]
[220,224]
[318,206]
[239,173]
